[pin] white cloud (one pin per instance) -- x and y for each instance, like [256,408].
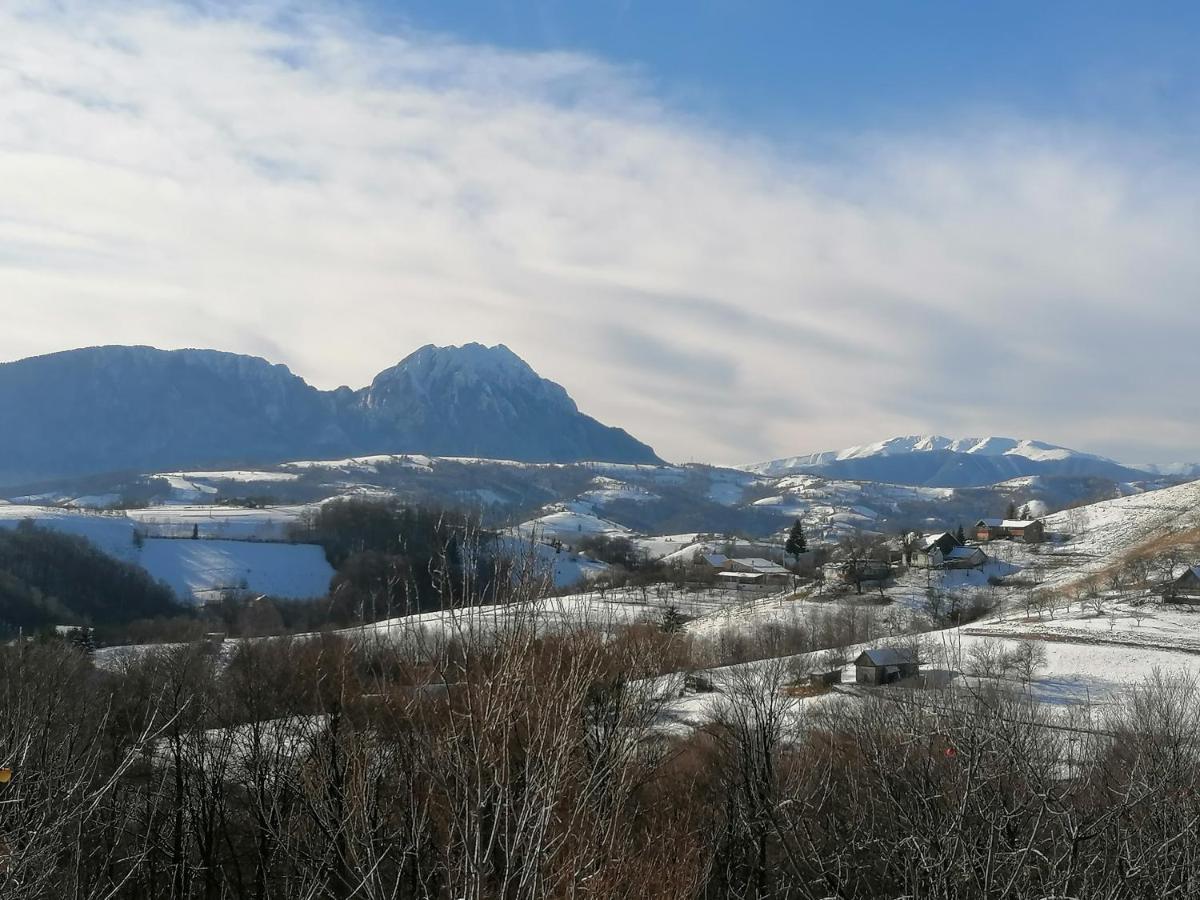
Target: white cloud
[298,187]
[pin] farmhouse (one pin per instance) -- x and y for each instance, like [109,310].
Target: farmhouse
[883,665]
[755,564]
[1185,588]
[932,549]
[1030,531]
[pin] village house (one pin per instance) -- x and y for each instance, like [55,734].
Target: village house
[931,547]
[884,665]
[754,570]
[943,551]
[1030,531]
[1185,588]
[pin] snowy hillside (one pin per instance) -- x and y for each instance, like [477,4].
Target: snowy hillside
[194,569]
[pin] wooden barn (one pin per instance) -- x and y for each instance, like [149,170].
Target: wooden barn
[884,665]
[1029,531]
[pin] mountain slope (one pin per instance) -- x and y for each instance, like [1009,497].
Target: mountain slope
[105,409]
[936,461]
[485,401]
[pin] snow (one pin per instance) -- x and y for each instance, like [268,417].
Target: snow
[192,567]
[570,522]
[369,464]
[235,475]
[607,490]
[1037,451]
[666,545]
[234,522]
[112,533]
[196,570]
[567,568]
[187,491]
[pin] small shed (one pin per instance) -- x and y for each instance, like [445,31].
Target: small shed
[825,679]
[1185,588]
[884,665]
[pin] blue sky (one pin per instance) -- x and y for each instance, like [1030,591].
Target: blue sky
[794,67]
[739,230]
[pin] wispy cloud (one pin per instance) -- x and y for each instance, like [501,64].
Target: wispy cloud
[278,178]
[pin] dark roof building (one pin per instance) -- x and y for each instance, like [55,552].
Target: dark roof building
[883,665]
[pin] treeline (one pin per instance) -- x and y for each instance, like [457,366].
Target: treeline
[396,560]
[49,578]
[504,764]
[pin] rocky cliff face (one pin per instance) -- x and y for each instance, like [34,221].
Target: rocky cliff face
[137,408]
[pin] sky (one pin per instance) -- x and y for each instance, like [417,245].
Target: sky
[740,230]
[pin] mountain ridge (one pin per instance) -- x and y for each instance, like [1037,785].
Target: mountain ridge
[938,461]
[121,408]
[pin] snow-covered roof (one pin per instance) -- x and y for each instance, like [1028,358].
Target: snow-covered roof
[990,523]
[887,656]
[716,560]
[1007,523]
[929,540]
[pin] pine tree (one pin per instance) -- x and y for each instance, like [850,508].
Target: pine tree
[196,531]
[1012,511]
[673,620]
[84,638]
[960,535]
[796,542]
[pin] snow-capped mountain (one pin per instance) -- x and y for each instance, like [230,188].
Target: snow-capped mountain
[105,409]
[485,401]
[936,461]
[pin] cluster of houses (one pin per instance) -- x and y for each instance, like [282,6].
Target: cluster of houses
[944,550]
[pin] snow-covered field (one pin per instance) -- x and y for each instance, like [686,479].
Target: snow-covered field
[229,522]
[196,570]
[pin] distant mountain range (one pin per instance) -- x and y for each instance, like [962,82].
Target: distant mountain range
[935,461]
[119,408]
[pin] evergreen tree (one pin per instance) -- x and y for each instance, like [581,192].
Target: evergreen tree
[960,535]
[672,620]
[84,638]
[196,531]
[1011,512]
[796,542]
